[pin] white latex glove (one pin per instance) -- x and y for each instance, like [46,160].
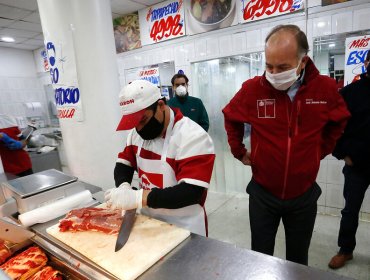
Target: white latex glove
[124,198]
[125,185]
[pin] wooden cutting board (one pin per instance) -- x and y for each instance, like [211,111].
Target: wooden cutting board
[149,241]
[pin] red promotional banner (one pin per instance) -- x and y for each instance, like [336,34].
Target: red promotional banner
[251,10]
[162,22]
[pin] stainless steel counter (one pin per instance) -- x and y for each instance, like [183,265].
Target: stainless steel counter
[204,258]
[195,258]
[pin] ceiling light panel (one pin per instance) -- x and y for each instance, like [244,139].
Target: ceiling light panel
[34,17]
[18,33]
[5,22]
[125,7]
[26,26]
[13,13]
[24,4]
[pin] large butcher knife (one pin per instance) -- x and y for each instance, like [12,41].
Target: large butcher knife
[125,229]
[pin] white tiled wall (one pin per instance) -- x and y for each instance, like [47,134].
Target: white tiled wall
[361,19]
[341,22]
[15,91]
[250,38]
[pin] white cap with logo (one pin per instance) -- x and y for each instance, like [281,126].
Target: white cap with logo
[134,98]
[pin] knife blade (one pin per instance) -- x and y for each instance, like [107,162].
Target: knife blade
[13,232]
[125,229]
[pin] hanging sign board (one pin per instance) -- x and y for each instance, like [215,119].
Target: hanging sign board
[64,79]
[204,16]
[151,75]
[162,22]
[356,51]
[251,10]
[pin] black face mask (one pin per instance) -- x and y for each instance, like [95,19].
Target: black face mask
[152,129]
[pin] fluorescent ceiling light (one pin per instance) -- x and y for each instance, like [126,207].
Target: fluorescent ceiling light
[331,45]
[7,39]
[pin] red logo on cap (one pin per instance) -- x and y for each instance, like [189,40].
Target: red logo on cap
[123,103]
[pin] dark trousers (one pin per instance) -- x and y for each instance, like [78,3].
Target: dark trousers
[298,216]
[356,183]
[25,173]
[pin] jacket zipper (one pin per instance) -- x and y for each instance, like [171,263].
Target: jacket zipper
[298,123]
[289,143]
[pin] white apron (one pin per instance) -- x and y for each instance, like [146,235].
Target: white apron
[159,174]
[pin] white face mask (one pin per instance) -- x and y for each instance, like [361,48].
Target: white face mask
[283,80]
[181,91]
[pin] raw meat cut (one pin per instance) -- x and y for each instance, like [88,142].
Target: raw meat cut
[4,252]
[47,273]
[25,264]
[92,219]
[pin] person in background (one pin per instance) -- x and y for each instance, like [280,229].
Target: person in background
[190,106]
[358,76]
[172,155]
[340,82]
[296,116]
[354,148]
[15,159]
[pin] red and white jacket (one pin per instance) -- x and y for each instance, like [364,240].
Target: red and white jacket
[288,139]
[190,151]
[14,161]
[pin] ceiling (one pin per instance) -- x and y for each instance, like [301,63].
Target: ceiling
[20,20]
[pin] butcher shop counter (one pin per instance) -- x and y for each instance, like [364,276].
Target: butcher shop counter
[196,257]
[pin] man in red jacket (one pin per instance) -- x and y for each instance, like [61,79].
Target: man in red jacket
[296,116]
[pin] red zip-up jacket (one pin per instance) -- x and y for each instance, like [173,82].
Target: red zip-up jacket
[288,138]
[14,161]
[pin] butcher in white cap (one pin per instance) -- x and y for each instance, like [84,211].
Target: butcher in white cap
[172,155]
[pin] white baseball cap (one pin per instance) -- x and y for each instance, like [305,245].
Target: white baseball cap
[134,98]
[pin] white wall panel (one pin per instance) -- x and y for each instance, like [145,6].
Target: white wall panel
[335,175]
[321,26]
[301,24]
[333,211]
[167,54]
[341,22]
[179,55]
[366,202]
[189,51]
[322,199]
[334,196]
[321,176]
[264,32]
[200,49]
[17,63]
[122,80]
[225,44]
[310,36]
[239,42]
[253,39]
[212,47]
[361,19]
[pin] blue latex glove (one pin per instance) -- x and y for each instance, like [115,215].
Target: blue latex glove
[10,143]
